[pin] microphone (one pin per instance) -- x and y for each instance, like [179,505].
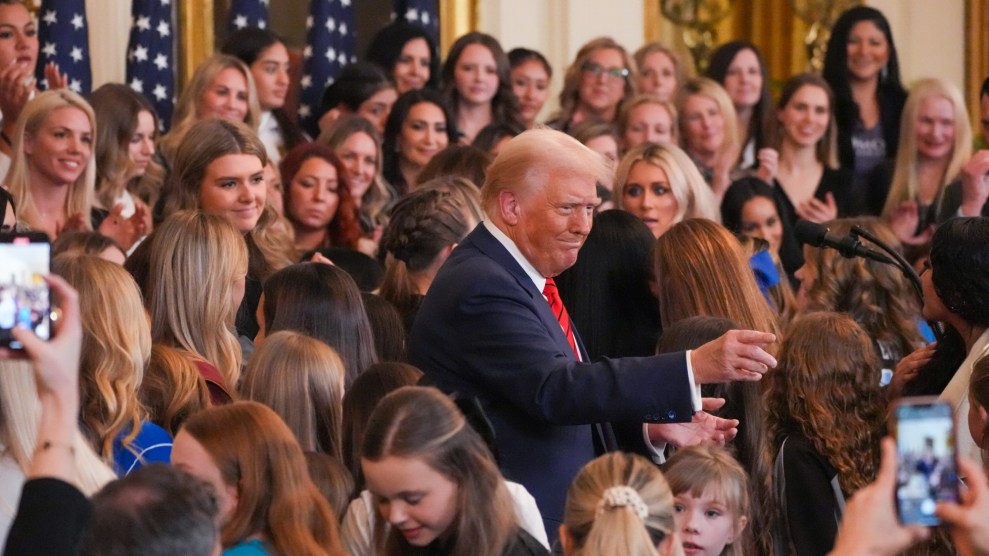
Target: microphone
[816,235]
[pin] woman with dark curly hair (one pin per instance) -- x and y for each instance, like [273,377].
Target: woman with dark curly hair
[956,292]
[408,54]
[824,413]
[876,295]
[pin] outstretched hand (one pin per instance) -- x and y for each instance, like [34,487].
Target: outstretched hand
[737,355]
[703,428]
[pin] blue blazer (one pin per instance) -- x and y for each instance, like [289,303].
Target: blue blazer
[485,331]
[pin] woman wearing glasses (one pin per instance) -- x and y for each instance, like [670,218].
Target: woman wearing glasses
[595,84]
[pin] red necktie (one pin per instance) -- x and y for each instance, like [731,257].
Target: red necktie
[556,304]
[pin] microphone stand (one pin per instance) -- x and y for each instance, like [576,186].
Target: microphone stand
[904,266]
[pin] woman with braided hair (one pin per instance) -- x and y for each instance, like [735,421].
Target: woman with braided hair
[425,227]
[619,504]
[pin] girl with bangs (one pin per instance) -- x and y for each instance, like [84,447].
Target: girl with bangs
[825,416]
[711,501]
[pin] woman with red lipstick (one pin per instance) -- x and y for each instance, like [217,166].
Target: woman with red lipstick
[935,142]
[741,69]
[318,201]
[599,79]
[125,148]
[477,86]
[435,482]
[419,126]
[863,70]
[531,74]
[267,57]
[661,185]
[268,505]
[52,176]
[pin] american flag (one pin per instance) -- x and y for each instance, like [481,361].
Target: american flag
[248,13]
[150,55]
[64,39]
[421,12]
[330,44]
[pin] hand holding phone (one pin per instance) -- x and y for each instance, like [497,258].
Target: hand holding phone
[25,299]
[927,469]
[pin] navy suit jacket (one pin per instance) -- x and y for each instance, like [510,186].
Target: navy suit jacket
[485,331]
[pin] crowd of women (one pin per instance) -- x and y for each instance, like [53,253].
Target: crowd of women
[245,290]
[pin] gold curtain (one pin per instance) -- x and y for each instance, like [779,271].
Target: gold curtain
[976,53]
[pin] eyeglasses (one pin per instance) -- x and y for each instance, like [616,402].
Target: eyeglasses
[597,70]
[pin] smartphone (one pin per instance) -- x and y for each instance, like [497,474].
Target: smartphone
[927,468]
[25,258]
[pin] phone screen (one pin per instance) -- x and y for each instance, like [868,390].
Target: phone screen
[926,471]
[24,296]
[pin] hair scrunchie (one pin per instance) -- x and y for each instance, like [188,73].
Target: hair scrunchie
[623,497]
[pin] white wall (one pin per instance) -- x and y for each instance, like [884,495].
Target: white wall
[930,38]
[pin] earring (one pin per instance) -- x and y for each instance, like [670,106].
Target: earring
[884,73]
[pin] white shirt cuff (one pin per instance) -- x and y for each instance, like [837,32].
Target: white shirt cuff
[695,389]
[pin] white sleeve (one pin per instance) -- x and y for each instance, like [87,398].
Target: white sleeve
[528,513]
[358,523]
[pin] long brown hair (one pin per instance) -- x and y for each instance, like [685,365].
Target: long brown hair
[416,422]
[256,452]
[825,388]
[301,378]
[701,270]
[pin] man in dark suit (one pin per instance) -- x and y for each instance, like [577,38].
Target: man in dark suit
[486,331]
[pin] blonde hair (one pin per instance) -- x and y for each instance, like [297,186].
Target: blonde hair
[532,158]
[81,194]
[20,412]
[694,196]
[196,258]
[301,378]
[905,184]
[713,90]
[701,469]
[379,196]
[597,527]
[116,345]
[570,94]
[626,108]
[173,388]
[187,107]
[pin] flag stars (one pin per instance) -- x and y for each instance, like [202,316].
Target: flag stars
[331,25]
[137,85]
[306,81]
[331,53]
[343,29]
[76,54]
[240,21]
[304,111]
[309,22]
[412,14]
[307,52]
[77,21]
[144,23]
[262,24]
[75,85]
[163,29]
[161,61]
[159,92]
[140,53]
[49,49]
[50,17]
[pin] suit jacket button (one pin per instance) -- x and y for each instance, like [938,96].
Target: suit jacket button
[672,415]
